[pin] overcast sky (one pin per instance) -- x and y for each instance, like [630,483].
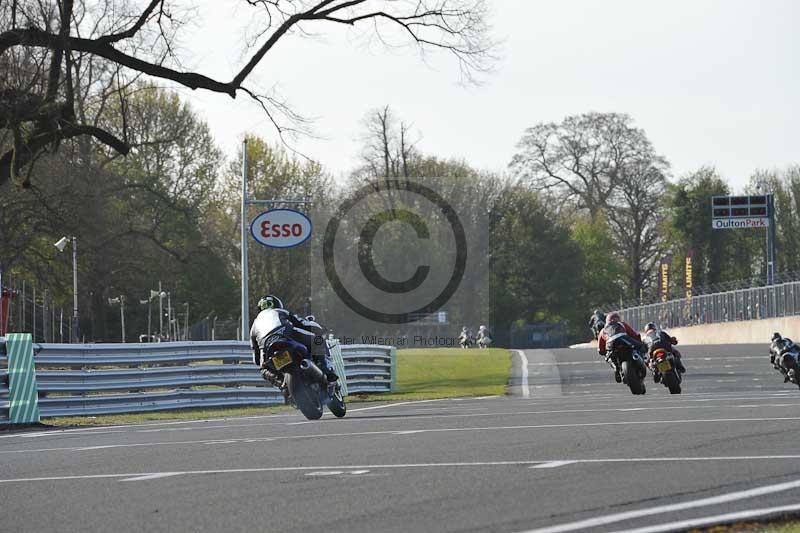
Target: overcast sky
[712,82]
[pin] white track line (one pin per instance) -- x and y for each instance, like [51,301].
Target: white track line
[152,476]
[481,464]
[712,520]
[674,507]
[401,432]
[526,391]
[553,464]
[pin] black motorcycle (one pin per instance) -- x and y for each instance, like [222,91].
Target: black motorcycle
[785,362]
[622,354]
[307,385]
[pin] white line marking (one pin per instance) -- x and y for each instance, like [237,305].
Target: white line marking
[711,520]
[704,502]
[410,432]
[152,476]
[553,464]
[326,473]
[395,405]
[359,472]
[526,391]
[321,468]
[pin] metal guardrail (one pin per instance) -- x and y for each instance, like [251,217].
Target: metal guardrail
[93,379]
[744,304]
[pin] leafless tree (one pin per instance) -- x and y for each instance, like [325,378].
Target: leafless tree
[43,44]
[389,148]
[599,162]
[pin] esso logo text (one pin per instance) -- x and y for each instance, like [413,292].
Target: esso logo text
[281,228]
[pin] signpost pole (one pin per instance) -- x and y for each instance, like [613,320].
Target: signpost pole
[771,240]
[245,331]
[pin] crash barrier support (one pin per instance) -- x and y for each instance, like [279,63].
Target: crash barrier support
[94,379]
[18,392]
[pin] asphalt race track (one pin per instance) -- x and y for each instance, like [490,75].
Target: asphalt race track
[570,450]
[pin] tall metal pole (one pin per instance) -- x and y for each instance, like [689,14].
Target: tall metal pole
[75,323]
[160,313]
[771,240]
[245,308]
[122,315]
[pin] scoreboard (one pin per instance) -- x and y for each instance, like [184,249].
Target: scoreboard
[734,212]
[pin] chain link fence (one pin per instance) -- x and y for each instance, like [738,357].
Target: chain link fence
[754,303]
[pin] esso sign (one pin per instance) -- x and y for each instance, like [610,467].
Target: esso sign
[281,228]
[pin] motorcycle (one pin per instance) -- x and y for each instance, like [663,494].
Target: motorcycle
[662,364]
[622,354]
[786,364]
[466,340]
[305,382]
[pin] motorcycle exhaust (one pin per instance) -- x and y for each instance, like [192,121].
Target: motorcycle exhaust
[312,371]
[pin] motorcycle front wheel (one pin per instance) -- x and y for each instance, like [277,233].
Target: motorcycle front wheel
[336,403]
[306,399]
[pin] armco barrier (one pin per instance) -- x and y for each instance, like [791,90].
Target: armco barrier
[92,379]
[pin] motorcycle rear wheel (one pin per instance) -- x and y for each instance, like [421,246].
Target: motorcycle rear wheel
[632,378]
[306,399]
[670,379]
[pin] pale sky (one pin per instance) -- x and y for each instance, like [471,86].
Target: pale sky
[712,82]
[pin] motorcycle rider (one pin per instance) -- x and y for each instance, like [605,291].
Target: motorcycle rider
[616,326]
[779,347]
[484,337]
[276,323]
[597,322]
[466,338]
[658,338]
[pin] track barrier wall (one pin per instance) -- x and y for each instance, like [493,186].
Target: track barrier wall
[95,379]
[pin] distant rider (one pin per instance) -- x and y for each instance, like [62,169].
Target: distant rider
[618,329]
[275,323]
[466,338]
[484,337]
[596,323]
[779,347]
[658,338]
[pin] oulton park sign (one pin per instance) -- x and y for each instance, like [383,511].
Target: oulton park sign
[739,223]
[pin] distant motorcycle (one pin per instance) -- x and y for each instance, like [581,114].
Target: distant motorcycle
[466,340]
[622,354]
[307,385]
[784,357]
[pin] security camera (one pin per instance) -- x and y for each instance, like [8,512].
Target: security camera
[61,244]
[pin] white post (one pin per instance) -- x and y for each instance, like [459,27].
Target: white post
[244,269]
[122,315]
[169,315]
[160,314]
[76,324]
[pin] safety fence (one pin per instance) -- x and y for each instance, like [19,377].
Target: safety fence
[744,304]
[94,379]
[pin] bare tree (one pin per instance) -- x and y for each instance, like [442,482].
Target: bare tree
[388,150]
[599,162]
[44,41]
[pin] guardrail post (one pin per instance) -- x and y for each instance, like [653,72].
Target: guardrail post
[393,355]
[22,389]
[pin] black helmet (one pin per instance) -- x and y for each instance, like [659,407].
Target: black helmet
[270,302]
[776,336]
[649,326]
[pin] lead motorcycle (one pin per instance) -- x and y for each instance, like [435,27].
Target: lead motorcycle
[305,382]
[623,354]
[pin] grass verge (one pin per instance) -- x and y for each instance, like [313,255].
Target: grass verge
[429,374]
[422,374]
